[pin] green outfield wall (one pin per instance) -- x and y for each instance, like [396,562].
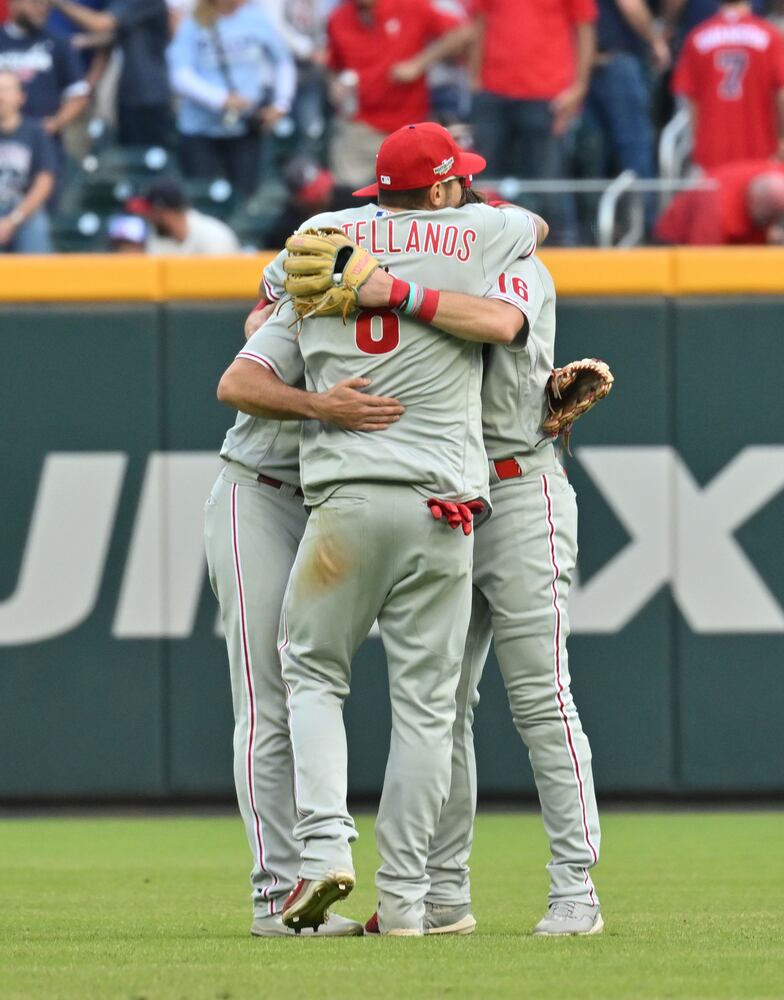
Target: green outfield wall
[113,678]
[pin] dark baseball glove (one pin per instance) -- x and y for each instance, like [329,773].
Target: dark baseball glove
[324,272]
[571,391]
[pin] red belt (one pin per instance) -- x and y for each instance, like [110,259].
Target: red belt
[507,468]
[276,484]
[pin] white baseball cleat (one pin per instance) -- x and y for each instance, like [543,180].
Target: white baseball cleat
[449,919]
[566,917]
[334,926]
[309,900]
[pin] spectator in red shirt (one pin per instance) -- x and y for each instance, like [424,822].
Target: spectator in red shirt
[744,205]
[534,67]
[380,51]
[731,71]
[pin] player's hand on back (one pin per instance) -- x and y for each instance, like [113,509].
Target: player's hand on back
[345,405]
[256,319]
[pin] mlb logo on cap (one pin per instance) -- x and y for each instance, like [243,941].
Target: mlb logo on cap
[418,156]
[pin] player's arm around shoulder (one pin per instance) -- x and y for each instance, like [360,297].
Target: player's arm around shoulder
[467,317]
[482,320]
[541,228]
[263,381]
[270,350]
[511,237]
[509,229]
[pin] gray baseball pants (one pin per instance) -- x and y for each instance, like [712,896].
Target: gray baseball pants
[373,550]
[252,532]
[524,561]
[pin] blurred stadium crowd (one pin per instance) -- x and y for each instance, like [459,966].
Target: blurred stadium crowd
[207,126]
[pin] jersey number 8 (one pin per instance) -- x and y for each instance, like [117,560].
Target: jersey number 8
[377,331]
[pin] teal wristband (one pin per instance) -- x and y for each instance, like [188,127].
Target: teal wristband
[413,303]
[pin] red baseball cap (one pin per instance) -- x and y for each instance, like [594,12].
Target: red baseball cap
[417,156]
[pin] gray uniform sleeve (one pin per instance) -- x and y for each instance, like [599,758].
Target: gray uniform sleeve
[521,286]
[510,233]
[273,277]
[274,346]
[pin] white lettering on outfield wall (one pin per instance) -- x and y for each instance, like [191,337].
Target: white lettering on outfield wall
[63,560]
[681,536]
[166,564]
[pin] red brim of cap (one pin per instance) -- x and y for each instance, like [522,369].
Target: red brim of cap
[469,164]
[466,164]
[139,206]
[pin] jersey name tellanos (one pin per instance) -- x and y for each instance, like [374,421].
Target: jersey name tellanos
[390,236]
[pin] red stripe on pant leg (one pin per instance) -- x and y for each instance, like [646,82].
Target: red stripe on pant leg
[558,678]
[281,648]
[249,688]
[589,884]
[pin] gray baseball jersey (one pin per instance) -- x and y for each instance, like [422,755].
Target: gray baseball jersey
[515,375]
[437,446]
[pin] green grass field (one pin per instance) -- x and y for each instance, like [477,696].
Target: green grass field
[158,909]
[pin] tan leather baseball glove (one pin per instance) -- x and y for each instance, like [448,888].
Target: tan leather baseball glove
[324,272]
[571,391]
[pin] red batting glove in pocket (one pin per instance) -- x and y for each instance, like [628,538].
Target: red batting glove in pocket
[456,514]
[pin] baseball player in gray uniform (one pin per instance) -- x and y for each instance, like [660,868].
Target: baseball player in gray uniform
[524,559]
[542,519]
[254,521]
[371,549]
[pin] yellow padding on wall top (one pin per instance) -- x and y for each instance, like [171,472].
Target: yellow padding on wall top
[584,272]
[80,278]
[213,277]
[730,271]
[610,272]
